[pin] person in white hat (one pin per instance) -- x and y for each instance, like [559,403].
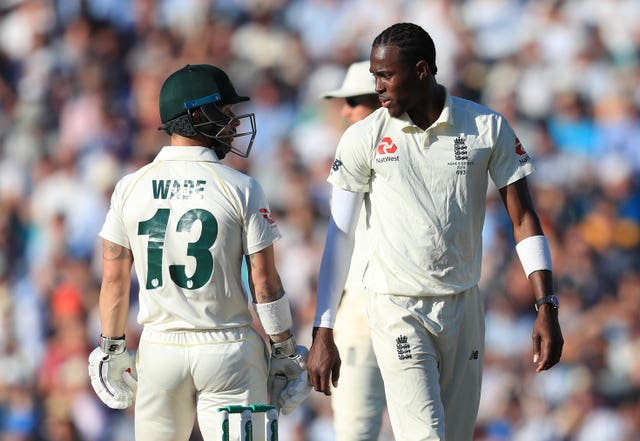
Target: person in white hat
[358,402]
[358,91]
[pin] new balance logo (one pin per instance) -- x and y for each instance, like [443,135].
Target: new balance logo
[403,348]
[474,355]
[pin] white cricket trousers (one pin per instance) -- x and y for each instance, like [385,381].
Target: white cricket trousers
[430,352]
[188,374]
[358,402]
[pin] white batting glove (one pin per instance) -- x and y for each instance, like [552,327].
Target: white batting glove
[292,368]
[113,373]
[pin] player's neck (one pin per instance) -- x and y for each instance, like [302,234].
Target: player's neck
[425,115]
[183,141]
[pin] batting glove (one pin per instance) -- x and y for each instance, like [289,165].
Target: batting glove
[113,373]
[292,367]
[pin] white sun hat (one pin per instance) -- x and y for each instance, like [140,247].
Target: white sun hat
[357,81]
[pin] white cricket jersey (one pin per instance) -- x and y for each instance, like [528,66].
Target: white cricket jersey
[188,220]
[427,191]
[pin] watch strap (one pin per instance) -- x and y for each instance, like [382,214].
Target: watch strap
[550,299]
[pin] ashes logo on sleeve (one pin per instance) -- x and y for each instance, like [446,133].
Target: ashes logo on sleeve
[336,165]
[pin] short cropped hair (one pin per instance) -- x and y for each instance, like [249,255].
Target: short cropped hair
[413,42]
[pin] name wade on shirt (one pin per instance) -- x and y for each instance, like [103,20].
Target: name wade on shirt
[173,189]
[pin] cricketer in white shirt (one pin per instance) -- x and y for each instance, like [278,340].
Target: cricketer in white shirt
[428,188]
[421,165]
[188,237]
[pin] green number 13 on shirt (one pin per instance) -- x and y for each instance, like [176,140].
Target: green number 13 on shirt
[156,229]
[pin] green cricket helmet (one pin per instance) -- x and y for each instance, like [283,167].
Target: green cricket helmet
[190,101]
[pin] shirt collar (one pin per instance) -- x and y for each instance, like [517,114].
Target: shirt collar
[186,153]
[446,116]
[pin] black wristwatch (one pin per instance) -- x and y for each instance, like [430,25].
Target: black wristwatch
[551,300]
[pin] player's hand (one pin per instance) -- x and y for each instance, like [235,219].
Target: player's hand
[288,382]
[547,339]
[113,378]
[324,361]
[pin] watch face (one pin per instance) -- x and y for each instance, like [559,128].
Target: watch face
[554,301]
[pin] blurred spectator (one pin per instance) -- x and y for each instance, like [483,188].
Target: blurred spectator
[79,84]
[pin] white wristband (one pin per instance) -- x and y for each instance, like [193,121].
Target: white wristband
[534,254]
[275,316]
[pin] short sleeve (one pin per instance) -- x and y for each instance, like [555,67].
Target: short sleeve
[113,228]
[260,228]
[509,161]
[351,170]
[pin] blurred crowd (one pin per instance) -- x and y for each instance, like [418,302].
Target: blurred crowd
[79,84]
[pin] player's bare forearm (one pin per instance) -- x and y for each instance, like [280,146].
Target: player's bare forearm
[114,291]
[517,201]
[265,283]
[323,364]
[264,279]
[547,335]
[268,292]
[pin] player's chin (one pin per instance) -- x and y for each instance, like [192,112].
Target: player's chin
[393,110]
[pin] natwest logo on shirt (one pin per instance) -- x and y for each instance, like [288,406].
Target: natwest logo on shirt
[267,215]
[386,148]
[524,157]
[519,149]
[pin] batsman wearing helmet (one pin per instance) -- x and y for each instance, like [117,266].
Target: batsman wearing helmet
[186,221]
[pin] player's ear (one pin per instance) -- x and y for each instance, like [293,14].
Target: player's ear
[422,69]
[197,116]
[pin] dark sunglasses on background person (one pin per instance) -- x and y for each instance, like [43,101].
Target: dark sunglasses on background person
[353,101]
